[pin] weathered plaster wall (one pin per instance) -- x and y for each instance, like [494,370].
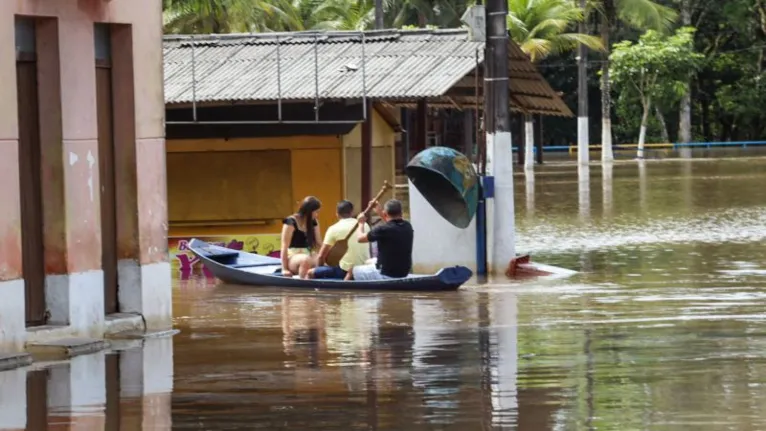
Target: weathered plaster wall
[70,170]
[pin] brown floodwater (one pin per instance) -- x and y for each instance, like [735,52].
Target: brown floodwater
[664,328]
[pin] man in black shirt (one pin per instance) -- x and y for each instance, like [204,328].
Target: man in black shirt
[394,238]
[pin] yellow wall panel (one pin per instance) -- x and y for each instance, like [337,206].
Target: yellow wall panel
[318,172]
[229,186]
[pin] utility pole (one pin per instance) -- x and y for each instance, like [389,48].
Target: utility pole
[583,133]
[500,208]
[367,128]
[378,14]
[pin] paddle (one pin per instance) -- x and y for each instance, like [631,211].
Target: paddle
[341,247]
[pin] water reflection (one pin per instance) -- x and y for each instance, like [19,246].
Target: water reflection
[607,181]
[662,330]
[115,390]
[529,185]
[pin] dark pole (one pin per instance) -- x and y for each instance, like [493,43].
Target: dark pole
[378,14]
[583,133]
[367,157]
[499,153]
[496,77]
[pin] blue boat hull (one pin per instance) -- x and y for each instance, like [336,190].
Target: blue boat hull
[239,267]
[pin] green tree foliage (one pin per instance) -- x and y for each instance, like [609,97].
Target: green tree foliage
[654,70]
[541,27]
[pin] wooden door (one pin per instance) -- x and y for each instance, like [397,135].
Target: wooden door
[106,174]
[33,263]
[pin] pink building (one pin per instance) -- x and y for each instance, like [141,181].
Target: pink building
[83,211]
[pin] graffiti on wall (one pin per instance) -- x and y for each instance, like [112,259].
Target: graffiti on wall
[188,264]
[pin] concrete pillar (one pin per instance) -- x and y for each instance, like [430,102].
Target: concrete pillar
[12,320]
[76,297]
[437,242]
[143,265]
[146,385]
[77,393]
[13,400]
[501,219]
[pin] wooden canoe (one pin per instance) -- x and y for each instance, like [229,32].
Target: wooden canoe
[239,267]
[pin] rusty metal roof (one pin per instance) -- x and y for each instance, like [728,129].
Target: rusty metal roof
[397,66]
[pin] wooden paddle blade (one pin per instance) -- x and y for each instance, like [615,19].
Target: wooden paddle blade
[336,253]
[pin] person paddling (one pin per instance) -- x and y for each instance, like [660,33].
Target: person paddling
[357,253]
[394,239]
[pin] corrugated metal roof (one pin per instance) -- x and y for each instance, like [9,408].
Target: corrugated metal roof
[398,64]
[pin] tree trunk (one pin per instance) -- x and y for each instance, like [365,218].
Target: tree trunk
[583,127]
[663,125]
[685,110]
[378,14]
[606,97]
[529,144]
[642,131]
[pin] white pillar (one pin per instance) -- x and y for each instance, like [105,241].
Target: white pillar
[503,344]
[606,141]
[501,240]
[583,141]
[529,140]
[13,399]
[436,239]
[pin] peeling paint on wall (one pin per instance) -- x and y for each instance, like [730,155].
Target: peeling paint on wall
[73,158]
[91,162]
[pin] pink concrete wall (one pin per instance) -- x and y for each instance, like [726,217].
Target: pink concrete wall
[74,161]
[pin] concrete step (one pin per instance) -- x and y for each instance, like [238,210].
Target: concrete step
[142,335]
[66,348]
[10,361]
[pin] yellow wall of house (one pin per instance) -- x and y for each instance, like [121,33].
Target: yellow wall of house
[383,161]
[247,185]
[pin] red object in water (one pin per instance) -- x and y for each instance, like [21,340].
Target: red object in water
[521,266]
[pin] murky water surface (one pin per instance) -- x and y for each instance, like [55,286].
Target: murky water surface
[664,328]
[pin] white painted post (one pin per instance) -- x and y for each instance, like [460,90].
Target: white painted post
[529,147]
[501,228]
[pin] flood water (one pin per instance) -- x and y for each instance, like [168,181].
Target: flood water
[663,329]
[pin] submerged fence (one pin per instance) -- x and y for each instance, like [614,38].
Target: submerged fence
[572,149]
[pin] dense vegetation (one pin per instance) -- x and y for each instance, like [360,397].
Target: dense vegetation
[701,61]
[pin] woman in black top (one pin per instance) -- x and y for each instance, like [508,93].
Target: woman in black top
[301,238]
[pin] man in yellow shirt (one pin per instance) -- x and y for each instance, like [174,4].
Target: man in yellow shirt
[357,253]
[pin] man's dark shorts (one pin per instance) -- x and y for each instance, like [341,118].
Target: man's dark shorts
[333,272]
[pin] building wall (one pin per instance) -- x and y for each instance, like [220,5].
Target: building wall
[65,56]
[383,160]
[254,183]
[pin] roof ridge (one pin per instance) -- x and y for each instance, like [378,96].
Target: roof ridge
[393,32]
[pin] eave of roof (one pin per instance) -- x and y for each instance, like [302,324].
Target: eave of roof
[397,65]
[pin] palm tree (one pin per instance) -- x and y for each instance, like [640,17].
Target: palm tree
[540,27]
[213,16]
[639,14]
